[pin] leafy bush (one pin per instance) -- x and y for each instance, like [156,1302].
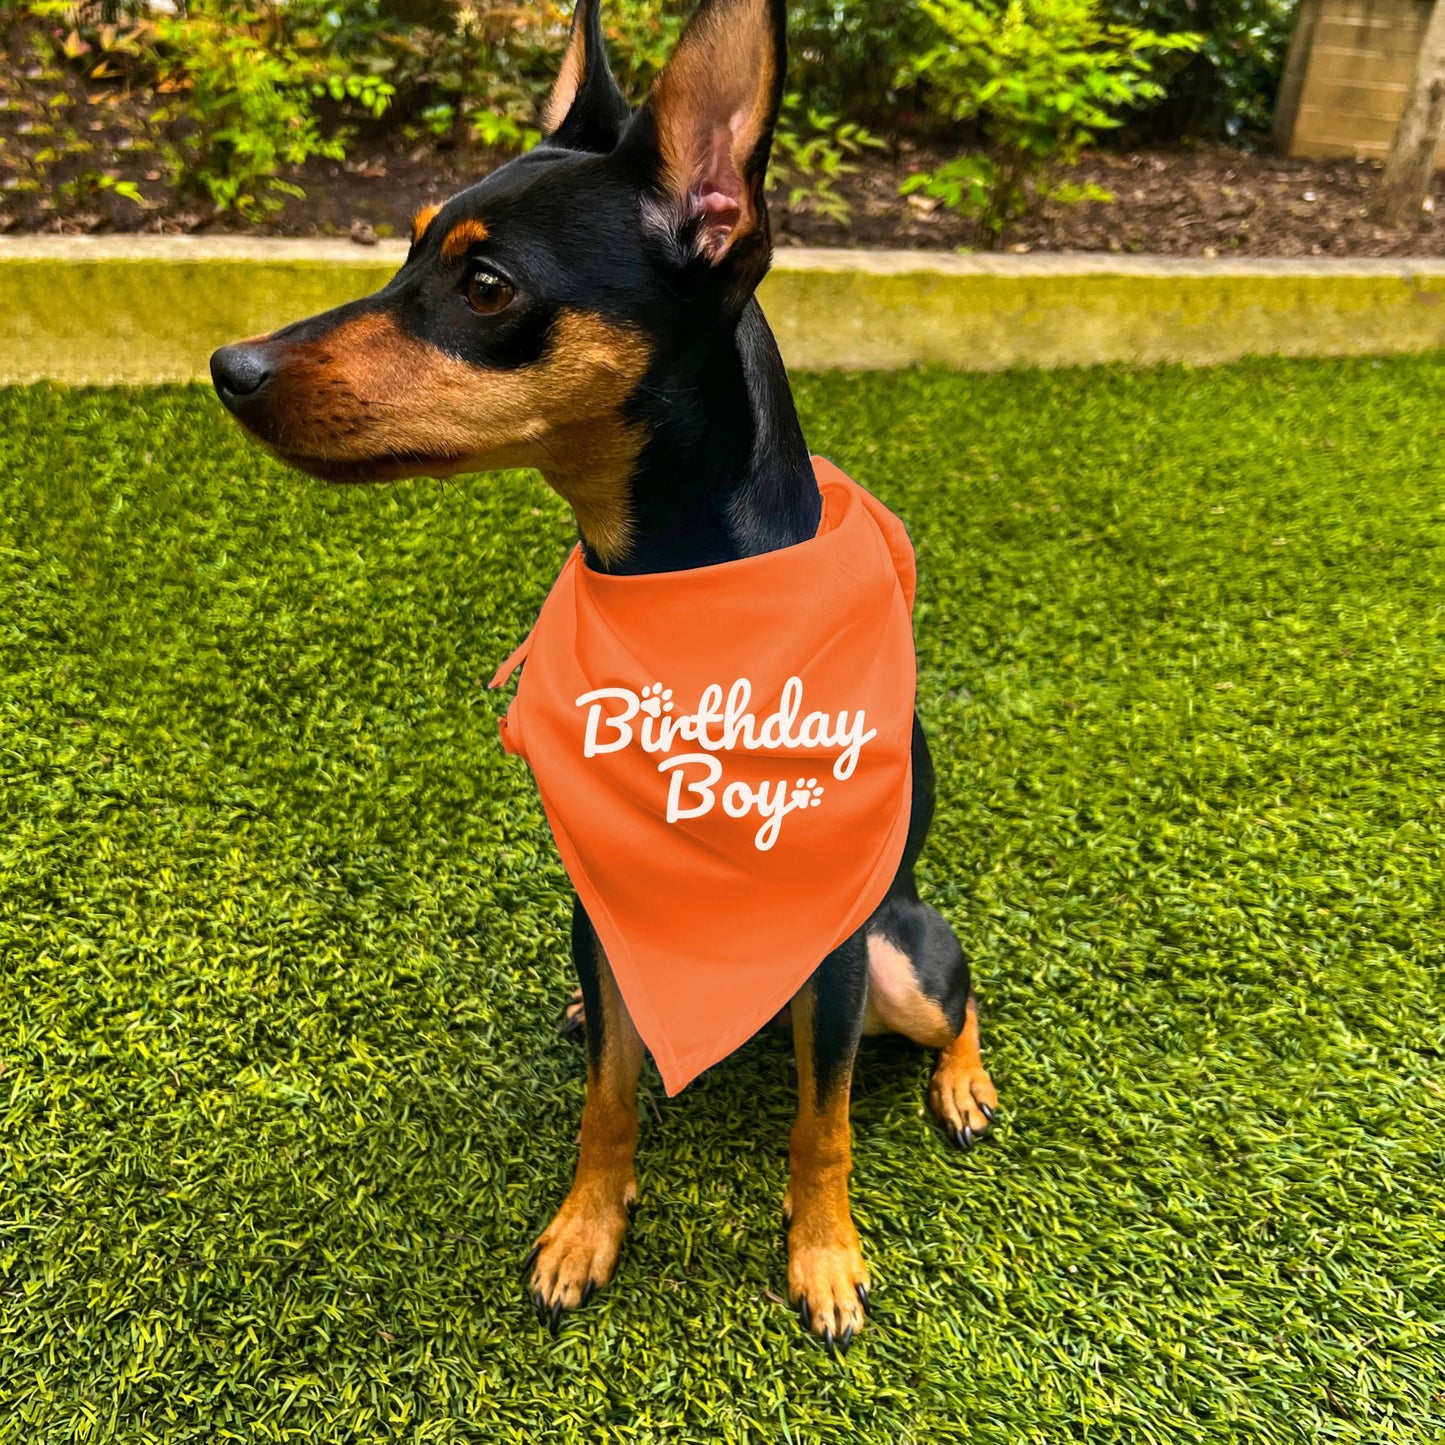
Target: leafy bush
[245,91]
[1228,87]
[640,37]
[46,68]
[850,56]
[845,56]
[811,150]
[249,88]
[483,72]
[225,94]
[460,72]
[1035,81]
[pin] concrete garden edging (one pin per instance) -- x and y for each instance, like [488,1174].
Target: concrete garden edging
[151,309]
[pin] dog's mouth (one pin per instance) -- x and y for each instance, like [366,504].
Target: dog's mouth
[356,471]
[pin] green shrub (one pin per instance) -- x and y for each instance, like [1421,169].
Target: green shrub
[1036,81]
[811,150]
[459,73]
[47,69]
[245,98]
[845,55]
[1228,87]
[640,37]
[251,87]
[484,72]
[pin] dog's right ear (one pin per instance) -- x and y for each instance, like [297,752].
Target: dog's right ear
[586,111]
[703,137]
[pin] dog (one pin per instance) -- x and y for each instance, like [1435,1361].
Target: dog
[588,310]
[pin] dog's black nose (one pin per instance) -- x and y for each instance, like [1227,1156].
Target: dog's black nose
[239,372]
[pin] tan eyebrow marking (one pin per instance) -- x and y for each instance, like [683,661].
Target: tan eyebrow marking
[463,234]
[421,221]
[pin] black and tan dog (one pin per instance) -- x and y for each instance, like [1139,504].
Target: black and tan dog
[588,310]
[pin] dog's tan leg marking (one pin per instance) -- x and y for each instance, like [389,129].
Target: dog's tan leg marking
[962,1095]
[577,1252]
[827,1279]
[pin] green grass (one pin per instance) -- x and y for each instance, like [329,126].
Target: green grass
[283,943]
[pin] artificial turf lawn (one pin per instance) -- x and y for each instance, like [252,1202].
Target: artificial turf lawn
[283,944]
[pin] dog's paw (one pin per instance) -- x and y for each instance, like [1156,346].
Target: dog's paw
[828,1286]
[963,1100]
[577,1253]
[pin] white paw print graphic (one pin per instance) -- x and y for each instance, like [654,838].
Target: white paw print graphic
[806,794]
[656,699]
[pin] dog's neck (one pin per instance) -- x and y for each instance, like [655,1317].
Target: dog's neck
[725,472]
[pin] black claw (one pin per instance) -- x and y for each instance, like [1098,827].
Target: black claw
[804,1313]
[828,1341]
[631,1207]
[540,1305]
[587,1290]
[571,1026]
[987,1113]
[967,1137]
[845,1340]
[861,1290]
[555,1318]
[531,1258]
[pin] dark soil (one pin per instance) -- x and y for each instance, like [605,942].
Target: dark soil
[1199,201]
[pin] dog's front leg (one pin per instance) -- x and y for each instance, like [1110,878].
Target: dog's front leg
[827,1279]
[577,1252]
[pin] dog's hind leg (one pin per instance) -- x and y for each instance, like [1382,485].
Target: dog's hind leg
[962,1095]
[827,1279]
[577,1252]
[919,986]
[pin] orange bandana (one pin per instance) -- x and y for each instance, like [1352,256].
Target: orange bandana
[724,755]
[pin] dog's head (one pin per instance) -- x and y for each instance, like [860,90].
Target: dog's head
[532,305]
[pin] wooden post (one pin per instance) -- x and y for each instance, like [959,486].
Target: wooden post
[1292,81]
[1412,151]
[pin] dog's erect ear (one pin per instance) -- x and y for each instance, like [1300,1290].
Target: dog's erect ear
[709,122]
[586,111]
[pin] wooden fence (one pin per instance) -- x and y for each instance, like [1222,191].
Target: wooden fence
[1350,64]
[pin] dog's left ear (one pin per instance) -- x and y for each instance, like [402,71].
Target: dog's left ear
[586,110]
[707,130]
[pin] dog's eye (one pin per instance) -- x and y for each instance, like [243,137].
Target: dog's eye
[488,294]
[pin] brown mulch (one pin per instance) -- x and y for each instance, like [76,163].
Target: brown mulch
[1206,200]
[1201,201]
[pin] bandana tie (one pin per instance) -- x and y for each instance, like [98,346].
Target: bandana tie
[724,756]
